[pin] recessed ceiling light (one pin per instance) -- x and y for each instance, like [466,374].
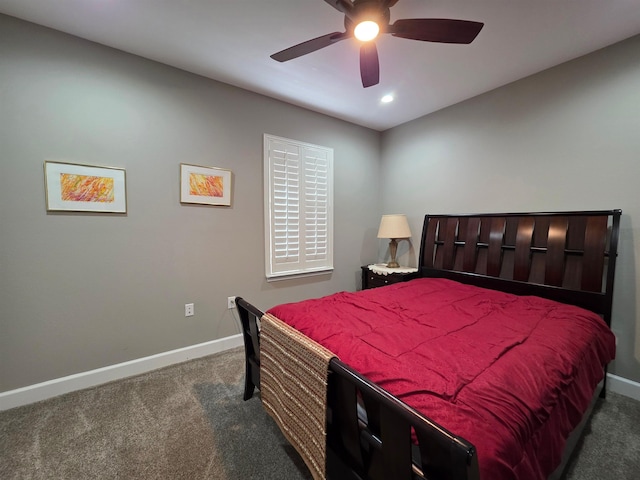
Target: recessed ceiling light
[387,98]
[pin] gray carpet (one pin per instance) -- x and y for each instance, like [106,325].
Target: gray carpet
[189,422]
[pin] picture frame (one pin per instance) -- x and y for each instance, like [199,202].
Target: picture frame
[205,185]
[74,187]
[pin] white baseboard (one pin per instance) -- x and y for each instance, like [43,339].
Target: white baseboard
[623,386]
[79,381]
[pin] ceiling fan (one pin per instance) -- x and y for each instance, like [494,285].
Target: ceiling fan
[365,19]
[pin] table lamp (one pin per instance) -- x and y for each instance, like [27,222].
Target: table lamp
[394,227]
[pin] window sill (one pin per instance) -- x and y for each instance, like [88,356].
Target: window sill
[291,275]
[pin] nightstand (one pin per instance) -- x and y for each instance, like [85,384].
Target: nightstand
[379,275]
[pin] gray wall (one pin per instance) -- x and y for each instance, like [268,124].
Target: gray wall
[565,139]
[82,291]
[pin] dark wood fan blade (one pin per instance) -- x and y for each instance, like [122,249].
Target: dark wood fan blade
[436,30]
[389,3]
[369,65]
[309,46]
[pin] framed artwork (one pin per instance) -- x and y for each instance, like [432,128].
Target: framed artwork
[71,187]
[205,185]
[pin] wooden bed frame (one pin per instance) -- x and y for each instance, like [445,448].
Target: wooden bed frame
[565,256]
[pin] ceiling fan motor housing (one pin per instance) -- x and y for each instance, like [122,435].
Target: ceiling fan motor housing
[371,10]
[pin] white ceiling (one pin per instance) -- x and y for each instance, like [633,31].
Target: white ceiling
[231,41]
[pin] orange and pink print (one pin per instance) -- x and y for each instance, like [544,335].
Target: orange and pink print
[74,187]
[206,185]
[85,188]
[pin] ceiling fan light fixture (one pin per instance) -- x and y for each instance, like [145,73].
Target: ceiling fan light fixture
[366,30]
[365,19]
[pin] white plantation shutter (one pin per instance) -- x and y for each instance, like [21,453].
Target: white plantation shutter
[298,207]
[316,216]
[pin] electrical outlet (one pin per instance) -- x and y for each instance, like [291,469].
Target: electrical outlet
[231,302]
[188,310]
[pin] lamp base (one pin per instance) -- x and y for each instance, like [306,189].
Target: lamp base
[393,248]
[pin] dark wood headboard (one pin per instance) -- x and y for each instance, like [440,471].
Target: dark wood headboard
[565,256]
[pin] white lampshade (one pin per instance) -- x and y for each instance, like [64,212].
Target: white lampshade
[394,226]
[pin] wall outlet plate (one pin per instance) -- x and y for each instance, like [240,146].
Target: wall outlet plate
[188,309]
[231,302]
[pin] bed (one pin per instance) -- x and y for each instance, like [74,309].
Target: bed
[485,367]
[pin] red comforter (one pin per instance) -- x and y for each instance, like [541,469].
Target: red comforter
[512,375]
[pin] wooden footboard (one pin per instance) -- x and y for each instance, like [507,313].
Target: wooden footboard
[369,431]
[250,319]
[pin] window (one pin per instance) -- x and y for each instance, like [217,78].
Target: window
[298,181]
